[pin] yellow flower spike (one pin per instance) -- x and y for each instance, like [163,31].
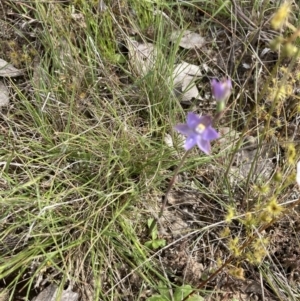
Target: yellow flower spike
[230,214]
[249,257]
[291,153]
[235,241]
[291,179]
[273,207]
[280,16]
[289,50]
[234,248]
[219,262]
[265,241]
[276,43]
[259,244]
[225,232]
[265,217]
[264,189]
[236,252]
[259,255]
[249,220]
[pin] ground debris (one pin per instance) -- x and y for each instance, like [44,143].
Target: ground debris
[8,70]
[4,93]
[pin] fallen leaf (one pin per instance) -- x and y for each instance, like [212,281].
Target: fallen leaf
[51,293]
[8,70]
[102,6]
[142,56]
[250,153]
[229,137]
[168,140]
[188,39]
[4,95]
[183,81]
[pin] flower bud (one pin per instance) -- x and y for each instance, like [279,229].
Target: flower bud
[221,89]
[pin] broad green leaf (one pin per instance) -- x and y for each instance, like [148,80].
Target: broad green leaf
[148,244]
[163,290]
[158,243]
[182,292]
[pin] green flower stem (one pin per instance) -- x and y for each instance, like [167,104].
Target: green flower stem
[171,184]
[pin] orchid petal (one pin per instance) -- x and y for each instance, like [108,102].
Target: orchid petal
[210,134]
[205,120]
[192,120]
[183,129]
[190,142]
[204,145]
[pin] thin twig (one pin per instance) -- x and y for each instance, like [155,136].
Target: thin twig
[171,184]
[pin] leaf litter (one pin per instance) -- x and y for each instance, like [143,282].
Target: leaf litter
[143,57]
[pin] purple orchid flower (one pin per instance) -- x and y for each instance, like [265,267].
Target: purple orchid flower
[221,89]
[199,131]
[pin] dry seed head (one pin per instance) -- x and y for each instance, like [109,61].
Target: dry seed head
[82,95]
[280,16]
[15,58]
